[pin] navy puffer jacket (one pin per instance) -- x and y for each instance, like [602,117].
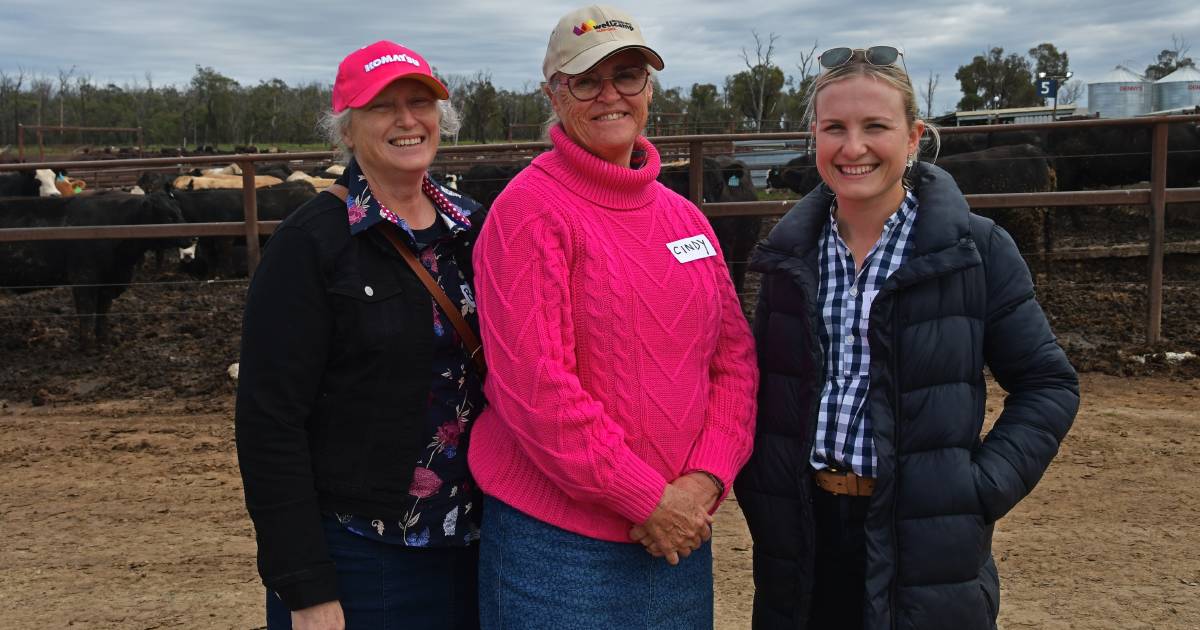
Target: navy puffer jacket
[962,301]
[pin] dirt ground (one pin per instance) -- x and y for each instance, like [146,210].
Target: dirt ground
[128,514]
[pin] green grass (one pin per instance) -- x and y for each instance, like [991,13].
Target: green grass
[775,195]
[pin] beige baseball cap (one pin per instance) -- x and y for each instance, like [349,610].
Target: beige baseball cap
[586,36]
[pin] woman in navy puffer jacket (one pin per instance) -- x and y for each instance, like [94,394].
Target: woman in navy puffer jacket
[871,496]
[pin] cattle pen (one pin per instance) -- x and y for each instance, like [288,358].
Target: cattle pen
[1157,196]
[40,130]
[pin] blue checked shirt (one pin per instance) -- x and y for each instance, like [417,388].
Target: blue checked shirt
[843,428]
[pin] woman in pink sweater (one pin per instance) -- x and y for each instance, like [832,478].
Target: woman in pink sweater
[623,378]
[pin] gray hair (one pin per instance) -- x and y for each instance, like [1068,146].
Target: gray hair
[551,121]
[334,126]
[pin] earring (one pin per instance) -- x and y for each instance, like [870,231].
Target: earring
[910,161]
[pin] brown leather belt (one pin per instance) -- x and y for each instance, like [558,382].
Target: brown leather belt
[844,483]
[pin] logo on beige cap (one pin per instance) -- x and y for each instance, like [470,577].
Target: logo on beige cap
[591,25]
[571,50]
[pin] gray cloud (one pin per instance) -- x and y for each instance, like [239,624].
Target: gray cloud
[701,41]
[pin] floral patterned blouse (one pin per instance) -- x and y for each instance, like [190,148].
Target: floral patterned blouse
[443,506]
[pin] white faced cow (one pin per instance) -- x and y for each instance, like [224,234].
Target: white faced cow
[46,187]
[39,183]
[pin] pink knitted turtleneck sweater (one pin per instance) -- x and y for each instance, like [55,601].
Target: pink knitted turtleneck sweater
[614,368]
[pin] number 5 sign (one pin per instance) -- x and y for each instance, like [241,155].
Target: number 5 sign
[1047,88]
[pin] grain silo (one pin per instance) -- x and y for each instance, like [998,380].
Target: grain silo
[1178,89]
[1120,94]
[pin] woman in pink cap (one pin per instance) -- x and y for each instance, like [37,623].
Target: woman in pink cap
[623,377]
[358,390]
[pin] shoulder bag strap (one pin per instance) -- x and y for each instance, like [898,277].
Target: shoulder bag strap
[470,340]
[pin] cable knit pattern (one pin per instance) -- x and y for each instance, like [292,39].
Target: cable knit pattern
[613,367]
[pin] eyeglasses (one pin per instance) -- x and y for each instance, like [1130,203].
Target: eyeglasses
[587,87]
[875,55]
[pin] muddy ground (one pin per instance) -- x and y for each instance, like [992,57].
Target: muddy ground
[120,501]
[174,335]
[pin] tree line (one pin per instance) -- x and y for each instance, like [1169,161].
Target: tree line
[213,109]
[216,110]
[996,81]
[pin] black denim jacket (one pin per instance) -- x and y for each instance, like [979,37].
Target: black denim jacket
[337,350]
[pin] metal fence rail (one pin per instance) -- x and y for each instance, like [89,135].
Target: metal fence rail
[41,129]
[1157,196]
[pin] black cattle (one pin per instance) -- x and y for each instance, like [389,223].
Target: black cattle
[724,179]
[155,181]
[19,184]
[274,169]
[217,255]
[1008,169]
[97,270]
[677,177]
[1016,168]
[775,179]
[483,182]
[799,175]
[955,143]
[737,235]
[1099,157]
[1096,157]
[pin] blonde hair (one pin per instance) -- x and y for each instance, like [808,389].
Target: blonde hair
[894,76]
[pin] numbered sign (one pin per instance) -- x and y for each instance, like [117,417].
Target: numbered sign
[1047,88]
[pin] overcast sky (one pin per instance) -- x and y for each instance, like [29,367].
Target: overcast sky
[700,40]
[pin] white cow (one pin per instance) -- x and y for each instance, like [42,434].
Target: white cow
[232,169]
[191,182]
[188,254]
[46,187]
[320,183]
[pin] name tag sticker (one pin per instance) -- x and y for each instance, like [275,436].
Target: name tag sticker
[692,248]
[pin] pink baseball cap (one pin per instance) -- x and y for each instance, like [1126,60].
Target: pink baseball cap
[366,71]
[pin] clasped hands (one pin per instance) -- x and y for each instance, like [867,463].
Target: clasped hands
[681,522]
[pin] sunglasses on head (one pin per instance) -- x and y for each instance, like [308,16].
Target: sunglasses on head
[875,55]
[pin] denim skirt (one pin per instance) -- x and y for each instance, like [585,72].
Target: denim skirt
[533,575]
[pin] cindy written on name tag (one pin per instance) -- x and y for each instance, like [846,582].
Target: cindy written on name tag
[692,248]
